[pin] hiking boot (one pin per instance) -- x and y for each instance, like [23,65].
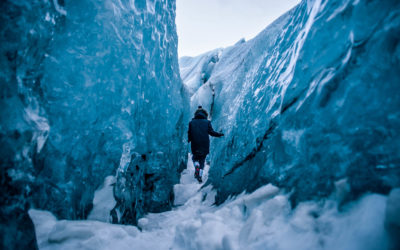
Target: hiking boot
[197,173]
[197,176]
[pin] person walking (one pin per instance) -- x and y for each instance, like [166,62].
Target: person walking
[198,135]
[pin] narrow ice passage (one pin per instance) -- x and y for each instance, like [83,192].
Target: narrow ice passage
[95,88]
[260,220]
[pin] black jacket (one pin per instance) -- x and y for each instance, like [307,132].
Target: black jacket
[199,129]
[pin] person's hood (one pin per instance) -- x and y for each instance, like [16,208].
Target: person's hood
[200,114]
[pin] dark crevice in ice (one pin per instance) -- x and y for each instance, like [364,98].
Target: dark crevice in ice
[254,152]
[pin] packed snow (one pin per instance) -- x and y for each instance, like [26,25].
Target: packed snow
[263,219]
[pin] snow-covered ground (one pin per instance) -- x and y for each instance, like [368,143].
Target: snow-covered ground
[263,219]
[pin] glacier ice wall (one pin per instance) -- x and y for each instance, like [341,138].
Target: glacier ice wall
[196,71]
[82,84]
[310,104]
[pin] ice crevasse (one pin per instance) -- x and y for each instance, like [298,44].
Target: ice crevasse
[309,108]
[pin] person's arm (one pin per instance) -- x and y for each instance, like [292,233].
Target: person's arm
[189,133]
[212,132]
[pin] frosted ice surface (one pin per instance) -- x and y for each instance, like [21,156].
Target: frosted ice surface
[195,71]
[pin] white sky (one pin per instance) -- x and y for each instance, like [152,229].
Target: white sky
[204,25]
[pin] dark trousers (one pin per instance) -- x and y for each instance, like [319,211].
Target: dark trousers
[199,158]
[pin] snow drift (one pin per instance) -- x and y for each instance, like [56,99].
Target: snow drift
[263,219]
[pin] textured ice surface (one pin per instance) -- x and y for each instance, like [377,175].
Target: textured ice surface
[83,82]
[313,99]
[263,219]
[392,219]
[195,71]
